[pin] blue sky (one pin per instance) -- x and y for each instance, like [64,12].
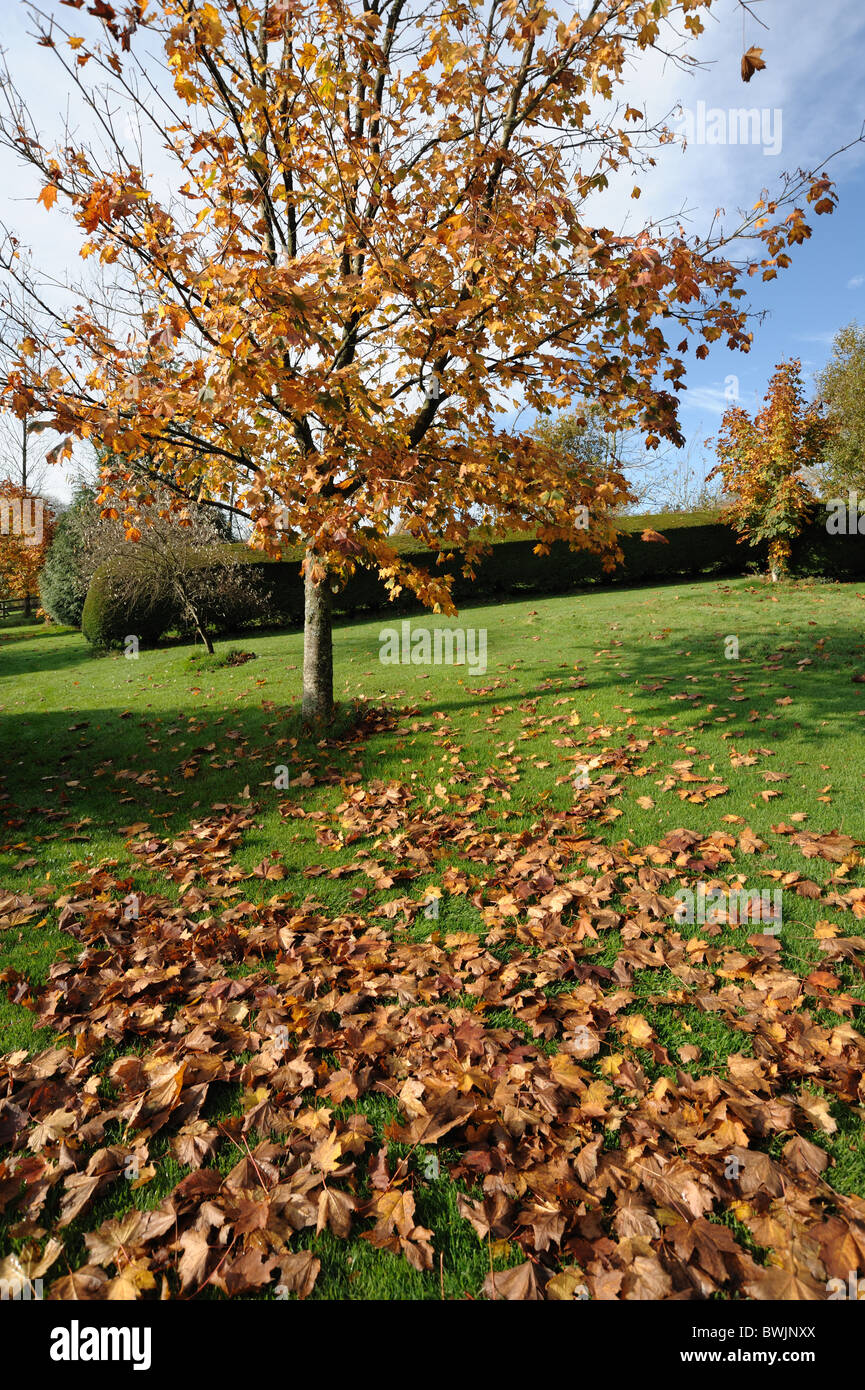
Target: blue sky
[810,100]
[815,58]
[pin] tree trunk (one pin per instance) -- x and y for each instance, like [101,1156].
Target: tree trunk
[317,705]
[197,620]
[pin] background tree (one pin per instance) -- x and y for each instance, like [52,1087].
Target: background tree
[841,390]
[26,529]
[681,484]
[584,444]
[67,572]
[762,462]
[380,229]
[663,480]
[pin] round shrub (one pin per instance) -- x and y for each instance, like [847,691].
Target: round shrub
[107,621]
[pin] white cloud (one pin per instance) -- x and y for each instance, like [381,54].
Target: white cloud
[713,399]
[856,283]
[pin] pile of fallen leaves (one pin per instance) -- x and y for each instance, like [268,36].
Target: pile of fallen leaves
[575,1135]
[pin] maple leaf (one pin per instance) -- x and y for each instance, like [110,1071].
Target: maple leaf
[568,1284]
[334,1212]
[195,1261]
[752,61]
[133,1279]
[83,1284]
[114,1237]
[788,1284]
[523,1283]
[299,1272]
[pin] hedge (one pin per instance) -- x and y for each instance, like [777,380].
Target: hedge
[695,543]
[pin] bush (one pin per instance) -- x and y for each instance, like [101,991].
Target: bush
[159,582]
[106,621]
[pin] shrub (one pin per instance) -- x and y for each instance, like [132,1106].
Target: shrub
[170,577]
[108,617]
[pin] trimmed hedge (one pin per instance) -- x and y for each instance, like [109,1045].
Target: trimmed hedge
[696,543]
[818,553]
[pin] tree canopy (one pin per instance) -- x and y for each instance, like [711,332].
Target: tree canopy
[764,462]
[841,388]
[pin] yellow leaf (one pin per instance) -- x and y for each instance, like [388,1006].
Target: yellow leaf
[637,1029]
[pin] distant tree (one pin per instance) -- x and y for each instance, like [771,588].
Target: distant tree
[763,462]
[26,528]
[67,572]
[585,442]
[681,485]
[841,390]
[24,448]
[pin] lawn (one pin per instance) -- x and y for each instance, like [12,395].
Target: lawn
[407,1012]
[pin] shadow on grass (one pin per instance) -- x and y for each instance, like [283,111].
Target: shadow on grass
[42,752]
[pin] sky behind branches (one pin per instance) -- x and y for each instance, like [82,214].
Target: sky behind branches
[809,101]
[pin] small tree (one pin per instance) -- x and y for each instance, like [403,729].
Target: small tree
[177,561]
[761,462]
[841,389]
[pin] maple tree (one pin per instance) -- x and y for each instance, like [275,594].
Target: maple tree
[378,226]
[763,461]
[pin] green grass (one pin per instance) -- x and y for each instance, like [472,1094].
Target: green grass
[91,745]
